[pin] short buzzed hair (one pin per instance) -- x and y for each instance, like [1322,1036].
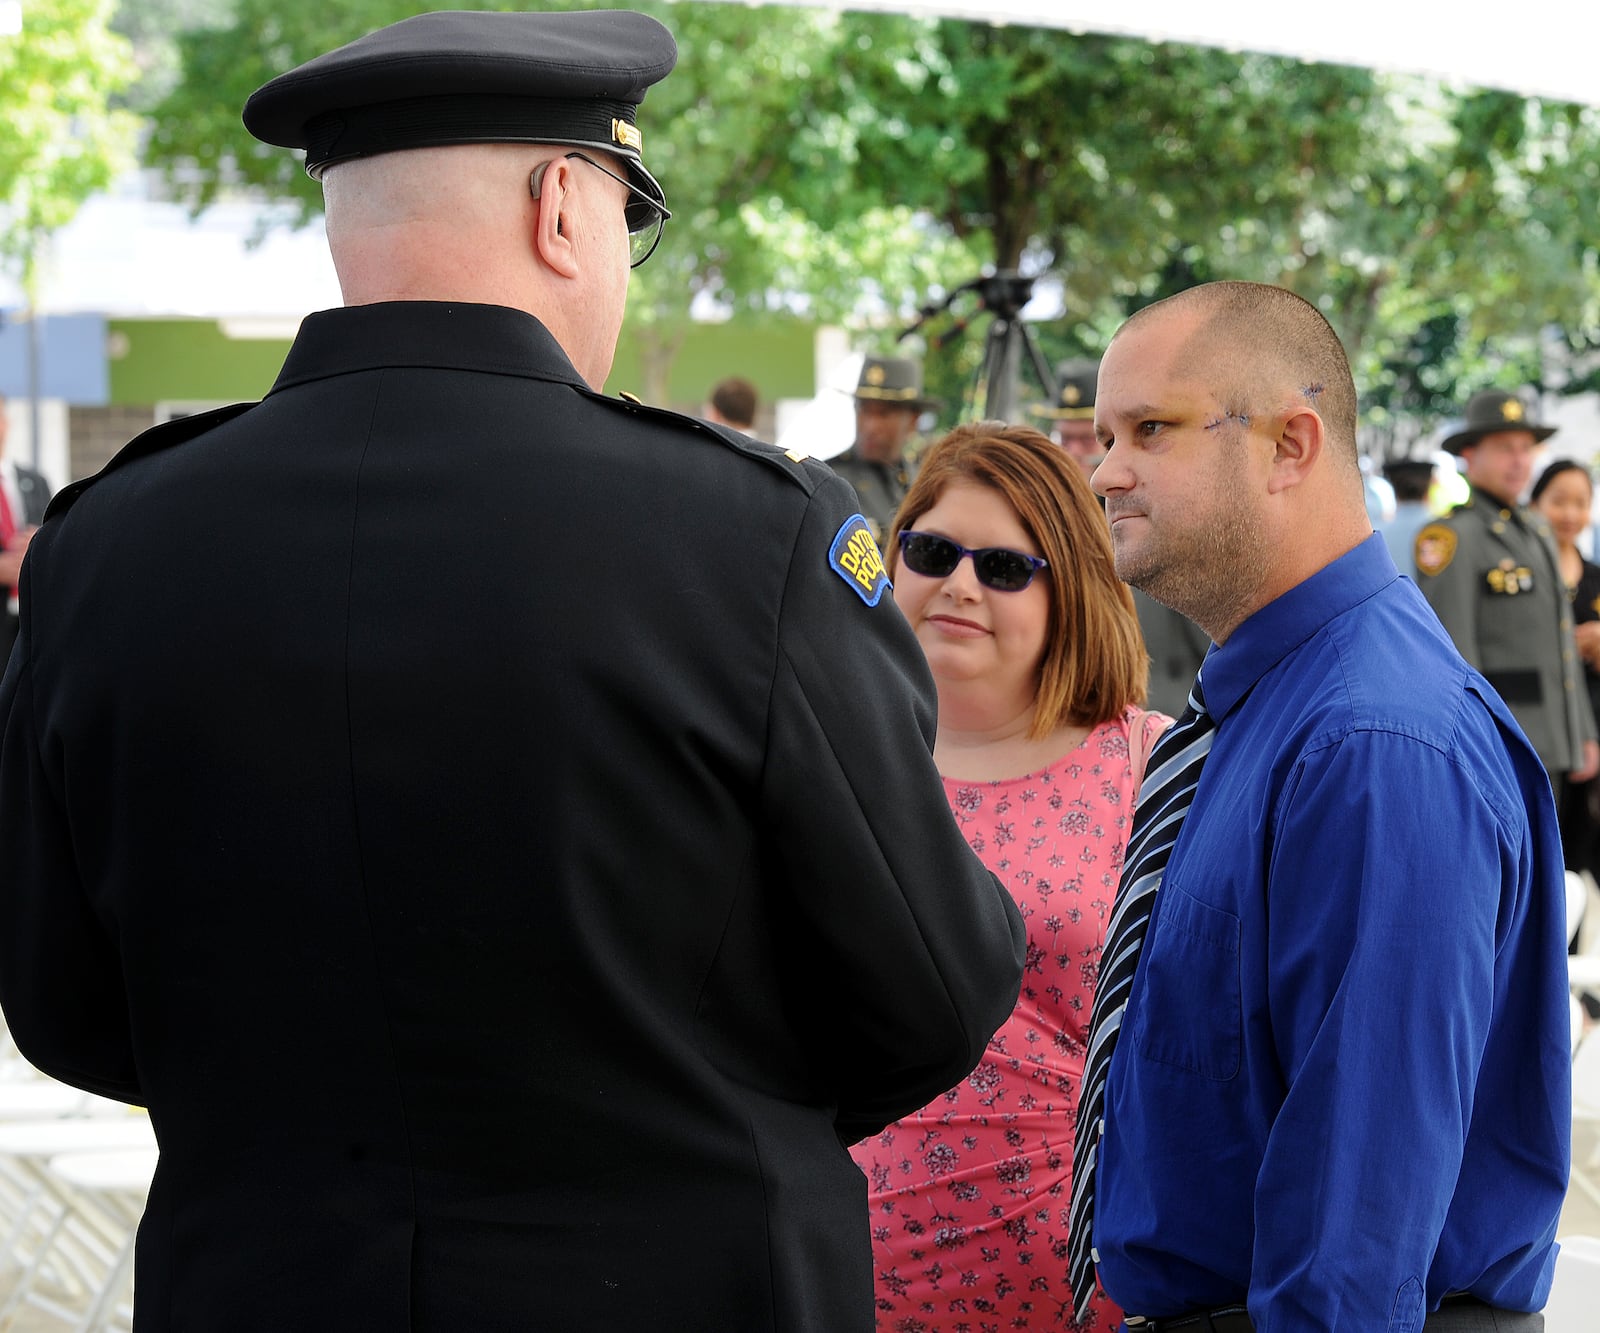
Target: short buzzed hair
[1266,340]
[735,400]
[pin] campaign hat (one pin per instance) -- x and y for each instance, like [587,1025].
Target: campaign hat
[896,380]
[471,76]
[1075,385]
[1489,412]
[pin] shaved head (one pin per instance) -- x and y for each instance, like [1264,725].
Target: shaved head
[1229,418]
[1265,350]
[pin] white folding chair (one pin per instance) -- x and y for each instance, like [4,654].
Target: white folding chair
[69,1249]
[1586,1112]
[1574,1304]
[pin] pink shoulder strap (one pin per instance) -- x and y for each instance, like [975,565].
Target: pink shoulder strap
[1143,732]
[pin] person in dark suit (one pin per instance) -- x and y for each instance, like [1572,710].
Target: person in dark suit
[492,826]
[24,496]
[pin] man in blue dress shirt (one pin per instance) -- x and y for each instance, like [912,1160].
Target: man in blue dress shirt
[1340,1096]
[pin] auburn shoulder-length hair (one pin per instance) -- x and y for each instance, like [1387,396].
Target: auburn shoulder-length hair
[1095,664]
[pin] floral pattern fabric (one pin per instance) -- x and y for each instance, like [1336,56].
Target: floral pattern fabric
[969,1197]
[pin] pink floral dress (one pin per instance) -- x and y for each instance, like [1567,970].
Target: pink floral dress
[969,1197]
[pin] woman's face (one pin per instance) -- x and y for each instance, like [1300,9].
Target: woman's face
[973,634]
[1565,504]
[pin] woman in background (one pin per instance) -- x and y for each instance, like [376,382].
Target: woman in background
[1564,494]
[1001,562]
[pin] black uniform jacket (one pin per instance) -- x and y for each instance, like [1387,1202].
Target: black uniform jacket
[496,840]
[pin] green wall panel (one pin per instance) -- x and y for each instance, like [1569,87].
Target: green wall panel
[777,357]
[166,360]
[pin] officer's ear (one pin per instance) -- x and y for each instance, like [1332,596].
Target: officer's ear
[1298,446]
[551,187]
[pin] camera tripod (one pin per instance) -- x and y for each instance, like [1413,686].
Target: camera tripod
[996,392]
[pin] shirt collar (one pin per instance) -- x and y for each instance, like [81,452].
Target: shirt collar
[441,335]
[1282,625]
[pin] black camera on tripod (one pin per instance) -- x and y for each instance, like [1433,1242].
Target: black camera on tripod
[995,395]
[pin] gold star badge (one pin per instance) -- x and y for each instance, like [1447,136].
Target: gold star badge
[1512,410]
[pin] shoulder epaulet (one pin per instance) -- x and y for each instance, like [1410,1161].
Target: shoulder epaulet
[790,462]
[164,436]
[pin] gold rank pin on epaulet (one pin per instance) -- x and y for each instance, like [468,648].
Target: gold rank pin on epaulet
[796,455]
[630,397]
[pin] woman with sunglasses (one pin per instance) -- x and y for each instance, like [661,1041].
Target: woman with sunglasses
[1002,563]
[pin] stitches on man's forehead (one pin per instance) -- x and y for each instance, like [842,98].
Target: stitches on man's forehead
[1233,417]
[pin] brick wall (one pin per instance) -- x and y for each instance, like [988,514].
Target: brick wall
[98,432]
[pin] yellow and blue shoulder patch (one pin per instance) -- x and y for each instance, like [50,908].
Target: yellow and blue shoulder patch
[856,559]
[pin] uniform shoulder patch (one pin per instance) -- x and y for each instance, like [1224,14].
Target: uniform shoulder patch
[855,558]
[1434,548]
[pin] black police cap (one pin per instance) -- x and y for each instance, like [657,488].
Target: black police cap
[470,76]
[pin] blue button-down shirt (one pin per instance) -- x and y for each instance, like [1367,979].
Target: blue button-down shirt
[1343,1086]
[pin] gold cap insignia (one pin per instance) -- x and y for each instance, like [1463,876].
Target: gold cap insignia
[1435,548]
[627,135]
[874,375]
[1070,395]
[1512,410]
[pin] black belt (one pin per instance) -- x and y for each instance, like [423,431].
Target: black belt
[1236,1319]
[1226,1319]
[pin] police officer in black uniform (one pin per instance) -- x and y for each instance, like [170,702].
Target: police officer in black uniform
[1489,570]
[492,826]
[889,400]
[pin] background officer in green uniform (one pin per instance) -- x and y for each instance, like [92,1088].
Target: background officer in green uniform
[1489,570]
[1071,416]
[1175,643]
[889,401]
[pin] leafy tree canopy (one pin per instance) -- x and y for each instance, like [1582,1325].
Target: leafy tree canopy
[855,166]
[62,141]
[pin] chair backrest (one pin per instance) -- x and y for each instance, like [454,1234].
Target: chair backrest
[1577,896]
[1586,1078]
[1575,1294]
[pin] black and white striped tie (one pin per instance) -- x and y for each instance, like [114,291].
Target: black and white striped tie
[1168,788]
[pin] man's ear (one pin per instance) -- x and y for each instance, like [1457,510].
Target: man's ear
[551,185]
[1298,447]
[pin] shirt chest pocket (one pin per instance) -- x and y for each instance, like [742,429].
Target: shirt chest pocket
[1189,1012]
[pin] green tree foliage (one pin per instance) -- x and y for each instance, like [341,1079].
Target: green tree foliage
[1442,232]
[715,135]
[152,28]
[62,140]
[855,166]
